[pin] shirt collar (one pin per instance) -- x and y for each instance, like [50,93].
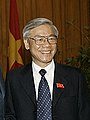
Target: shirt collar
[37,68]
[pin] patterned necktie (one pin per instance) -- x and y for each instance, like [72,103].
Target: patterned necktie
[44,104]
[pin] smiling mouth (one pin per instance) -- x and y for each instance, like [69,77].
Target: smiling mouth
[45,52]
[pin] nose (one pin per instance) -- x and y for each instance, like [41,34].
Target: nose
[46,42]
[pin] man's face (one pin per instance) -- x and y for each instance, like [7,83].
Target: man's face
[42,54]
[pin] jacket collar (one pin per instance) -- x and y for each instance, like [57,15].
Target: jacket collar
[60,79]
[28,82]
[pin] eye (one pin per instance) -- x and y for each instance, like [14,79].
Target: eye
[52,38]
[39,39]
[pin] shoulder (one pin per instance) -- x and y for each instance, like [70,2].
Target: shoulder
[20,71]
[66,67]
[69,70]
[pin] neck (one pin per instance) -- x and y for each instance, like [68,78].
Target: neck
[42,64]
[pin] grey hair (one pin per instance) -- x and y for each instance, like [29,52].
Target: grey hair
[35,23]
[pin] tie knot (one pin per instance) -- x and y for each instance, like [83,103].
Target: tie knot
[42,72]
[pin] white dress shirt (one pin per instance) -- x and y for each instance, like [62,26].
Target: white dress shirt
[49,76]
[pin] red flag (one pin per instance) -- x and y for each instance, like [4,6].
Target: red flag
[59,85]
[15,44]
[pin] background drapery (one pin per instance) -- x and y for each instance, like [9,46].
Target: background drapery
[70,17]
[14,58]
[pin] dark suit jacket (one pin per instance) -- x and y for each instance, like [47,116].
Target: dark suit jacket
[69,102]
[1,96]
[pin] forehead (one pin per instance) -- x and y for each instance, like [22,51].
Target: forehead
[42,30]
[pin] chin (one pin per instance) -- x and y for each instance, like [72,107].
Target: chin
[47,61]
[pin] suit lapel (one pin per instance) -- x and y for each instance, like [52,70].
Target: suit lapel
[28,83]
[60,83]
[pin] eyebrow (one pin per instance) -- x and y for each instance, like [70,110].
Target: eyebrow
[45,36]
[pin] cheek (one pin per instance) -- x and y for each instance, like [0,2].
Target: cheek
[32,45]
[33,48]
[54,48]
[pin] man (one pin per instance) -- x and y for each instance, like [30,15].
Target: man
[1,96]
[44,89]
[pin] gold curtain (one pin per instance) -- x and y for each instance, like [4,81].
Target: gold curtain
[70,17]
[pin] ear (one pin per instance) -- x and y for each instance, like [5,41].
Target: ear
[26,44]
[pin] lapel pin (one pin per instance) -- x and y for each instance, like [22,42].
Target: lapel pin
[59,85]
